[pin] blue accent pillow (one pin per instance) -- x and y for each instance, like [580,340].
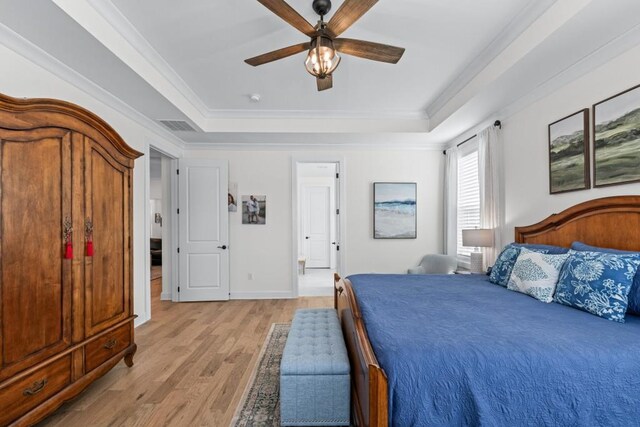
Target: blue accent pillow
[501,270]
[597,282]
[634,293]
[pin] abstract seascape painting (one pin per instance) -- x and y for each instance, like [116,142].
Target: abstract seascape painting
[394,210]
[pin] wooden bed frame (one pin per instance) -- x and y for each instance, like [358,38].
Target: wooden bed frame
[612,222]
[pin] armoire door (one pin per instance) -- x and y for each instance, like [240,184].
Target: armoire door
[107,184]
[36,190]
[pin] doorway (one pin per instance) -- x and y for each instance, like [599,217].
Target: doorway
[317,234]
[160,229]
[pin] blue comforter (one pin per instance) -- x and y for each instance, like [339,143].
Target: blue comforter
[459,350]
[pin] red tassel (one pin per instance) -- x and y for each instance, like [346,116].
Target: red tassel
[68,251]
[89,248]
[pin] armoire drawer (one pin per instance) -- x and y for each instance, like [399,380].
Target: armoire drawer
[25,394]
[99,351]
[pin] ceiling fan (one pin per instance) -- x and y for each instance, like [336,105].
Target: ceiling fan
[324,45]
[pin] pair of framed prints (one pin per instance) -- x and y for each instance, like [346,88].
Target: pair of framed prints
[616,145]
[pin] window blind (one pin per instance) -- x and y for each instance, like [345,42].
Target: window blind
[468,197]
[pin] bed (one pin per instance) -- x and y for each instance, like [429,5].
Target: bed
[458,350]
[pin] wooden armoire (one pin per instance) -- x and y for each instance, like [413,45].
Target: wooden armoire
[66,290]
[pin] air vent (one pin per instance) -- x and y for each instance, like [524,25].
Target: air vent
[177,125]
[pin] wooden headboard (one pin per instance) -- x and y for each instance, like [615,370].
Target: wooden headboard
[610,222]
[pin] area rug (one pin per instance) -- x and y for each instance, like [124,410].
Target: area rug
[260,403]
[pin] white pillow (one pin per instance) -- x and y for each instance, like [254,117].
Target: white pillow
[536,274]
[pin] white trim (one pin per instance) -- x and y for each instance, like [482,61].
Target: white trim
[147,238]
[171,258]
[175,271]
[261,295]
[165,296]
[503,39]
[130,33]
[314,114]
[341,261]
[41,58]
[139,321]
[127,31]
[317,291]
[584,65]
[335,147]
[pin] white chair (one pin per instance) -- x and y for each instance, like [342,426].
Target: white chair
[435,264]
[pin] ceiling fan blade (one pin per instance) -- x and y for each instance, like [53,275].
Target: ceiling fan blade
[277,54]
[324,84]
[286,12]
[348,13]
[369,50]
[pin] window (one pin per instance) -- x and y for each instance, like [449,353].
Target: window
[468,195]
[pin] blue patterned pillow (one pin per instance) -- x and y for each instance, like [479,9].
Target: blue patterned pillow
[501,270]
[634,293]
[536,274]
[597,282]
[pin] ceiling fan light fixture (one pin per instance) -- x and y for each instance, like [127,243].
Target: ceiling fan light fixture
[322,59]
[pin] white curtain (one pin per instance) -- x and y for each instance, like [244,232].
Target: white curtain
[490,173]
[451,202]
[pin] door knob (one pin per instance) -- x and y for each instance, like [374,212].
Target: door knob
[333,243]
[306,237]
[222,247]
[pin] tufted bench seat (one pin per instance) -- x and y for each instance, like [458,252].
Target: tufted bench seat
[314,372]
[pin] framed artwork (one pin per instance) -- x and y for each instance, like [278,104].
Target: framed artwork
[569,153]
[616,146]
[232,197]
[254,209]
[394,210]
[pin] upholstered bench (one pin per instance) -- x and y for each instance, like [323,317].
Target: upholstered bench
[314,372]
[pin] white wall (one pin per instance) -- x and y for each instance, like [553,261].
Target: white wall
[525,137]
[266,252]
[22,78]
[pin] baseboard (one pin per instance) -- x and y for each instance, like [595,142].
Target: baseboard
[315,291]
[165,296]
[140,320]
[261,295]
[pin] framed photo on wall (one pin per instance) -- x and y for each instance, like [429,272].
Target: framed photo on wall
[569,153]
[254,209]
[394,210]
[616,130]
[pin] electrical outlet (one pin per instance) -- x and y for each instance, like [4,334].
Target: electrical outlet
[250,276]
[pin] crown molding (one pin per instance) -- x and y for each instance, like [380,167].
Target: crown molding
[600,56]
[112,16]
[39,57]
[316,114]
[501,41]
[128,31]
[317,142]
[258,146]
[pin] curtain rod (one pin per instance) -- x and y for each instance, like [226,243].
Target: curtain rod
[497,124]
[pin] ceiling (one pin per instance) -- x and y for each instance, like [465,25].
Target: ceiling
[466,63]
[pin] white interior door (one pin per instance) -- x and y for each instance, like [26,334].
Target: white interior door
[316,226]
[203,230]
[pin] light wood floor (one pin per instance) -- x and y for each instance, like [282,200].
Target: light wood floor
[191,368]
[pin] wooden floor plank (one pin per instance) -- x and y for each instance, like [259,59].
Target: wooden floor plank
[193,363]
